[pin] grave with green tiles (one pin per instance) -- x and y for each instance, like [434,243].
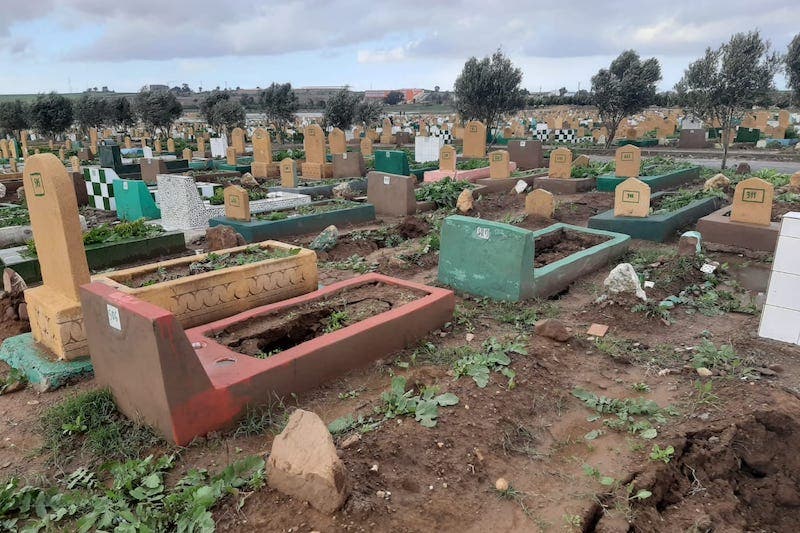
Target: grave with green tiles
[505,262]
[392,162]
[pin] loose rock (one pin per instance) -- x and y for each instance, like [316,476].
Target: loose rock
[222,237]
[303,463]
[624,280]
[248,179]
[326,240]
[552,329]
[13,284]
[465,201]
[743,168]
[720,181]
[344,191]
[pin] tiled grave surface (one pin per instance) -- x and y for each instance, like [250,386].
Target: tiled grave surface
[780,318]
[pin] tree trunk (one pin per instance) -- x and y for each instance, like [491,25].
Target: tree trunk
[726,134]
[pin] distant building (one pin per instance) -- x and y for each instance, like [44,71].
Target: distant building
[410,96]
[155,87]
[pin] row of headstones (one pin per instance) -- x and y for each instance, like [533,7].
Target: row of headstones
[752,201]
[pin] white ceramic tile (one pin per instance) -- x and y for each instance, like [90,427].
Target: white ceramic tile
[780,324]
[791,225]
[784,290]
[787,255]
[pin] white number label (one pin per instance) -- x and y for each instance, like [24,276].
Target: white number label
[522,144]
[386,180]
[113,317]
[482,233]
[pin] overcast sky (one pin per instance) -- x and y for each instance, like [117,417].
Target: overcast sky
[65,45]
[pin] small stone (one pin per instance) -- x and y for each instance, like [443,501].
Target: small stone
[223,237]
[22,311]
[597,330]
[552,329]
[624,280]
[704,372]
[374,468]
[344,191]
[713,439]
[326,240]
[766,372]
[303,463]
[13,283]
[704,416]
[776,367]
[380,493]
[349,441]
[465,201]
[248,179]
[501,484]
[470,337]
[743,168]
[720,181]
[10,314]
[21,194]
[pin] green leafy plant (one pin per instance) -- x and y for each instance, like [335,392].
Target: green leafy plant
[423,407]
[14,380]
[133,497]
[355,263]
[251,254]
[592,170]
[671,202]
[634,415]
[494,356]
[443,193]
[106,233]
[659,454]
[336,321]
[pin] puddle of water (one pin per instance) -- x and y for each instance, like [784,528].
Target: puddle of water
[753,276]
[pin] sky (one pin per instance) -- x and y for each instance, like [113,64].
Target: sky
[69,45]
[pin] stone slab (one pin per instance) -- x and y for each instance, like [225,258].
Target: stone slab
[718,228]
[43,372]
[261,230]
[658,228]
[669,180]
[565,186]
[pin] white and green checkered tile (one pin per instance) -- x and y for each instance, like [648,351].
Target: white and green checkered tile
[98,187]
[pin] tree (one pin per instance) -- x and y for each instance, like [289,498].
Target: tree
[226,114]
[14,116]
[248,102]
[488,88]
[793,66]
[208,102]
[51,114]
[158,109]
[340,111]
[369,112]
[723,84]
[121,112]
[279,103]
[625,88]
[92,111]
[394,98]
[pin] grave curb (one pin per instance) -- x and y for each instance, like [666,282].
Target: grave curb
[720,229]
[555,277]
[564,186]
[107,255]
[44,374]
[609,182]
[657,228]
[359,184]
[261,230]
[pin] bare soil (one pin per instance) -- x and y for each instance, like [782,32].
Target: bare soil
[557,245]
[275,332]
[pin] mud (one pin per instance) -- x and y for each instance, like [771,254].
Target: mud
[557,245]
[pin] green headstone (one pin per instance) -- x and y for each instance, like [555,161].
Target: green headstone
[110,156]
[392,162]
[134,200]
[486,258]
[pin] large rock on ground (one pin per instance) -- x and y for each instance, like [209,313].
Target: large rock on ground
[326,240]
[248,180]
[552,329]
[743,168]
[345,191]
[304,465]
[624,280]
[13,283]
[465,201]
[720,181]
[222,237]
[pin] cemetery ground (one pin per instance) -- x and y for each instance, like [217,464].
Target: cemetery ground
[587,433]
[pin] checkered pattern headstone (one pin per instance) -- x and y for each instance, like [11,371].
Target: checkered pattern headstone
[445,135]
[566,136]
[542,132]
[98,187]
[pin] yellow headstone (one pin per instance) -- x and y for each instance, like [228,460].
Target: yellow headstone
[447,158]
[474,139]
[632,199]
[752,202]
[288,173]
[627,161]
[54,307]
[337,141]
[540,203]
[498,165]
[237,203]
[560,163]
